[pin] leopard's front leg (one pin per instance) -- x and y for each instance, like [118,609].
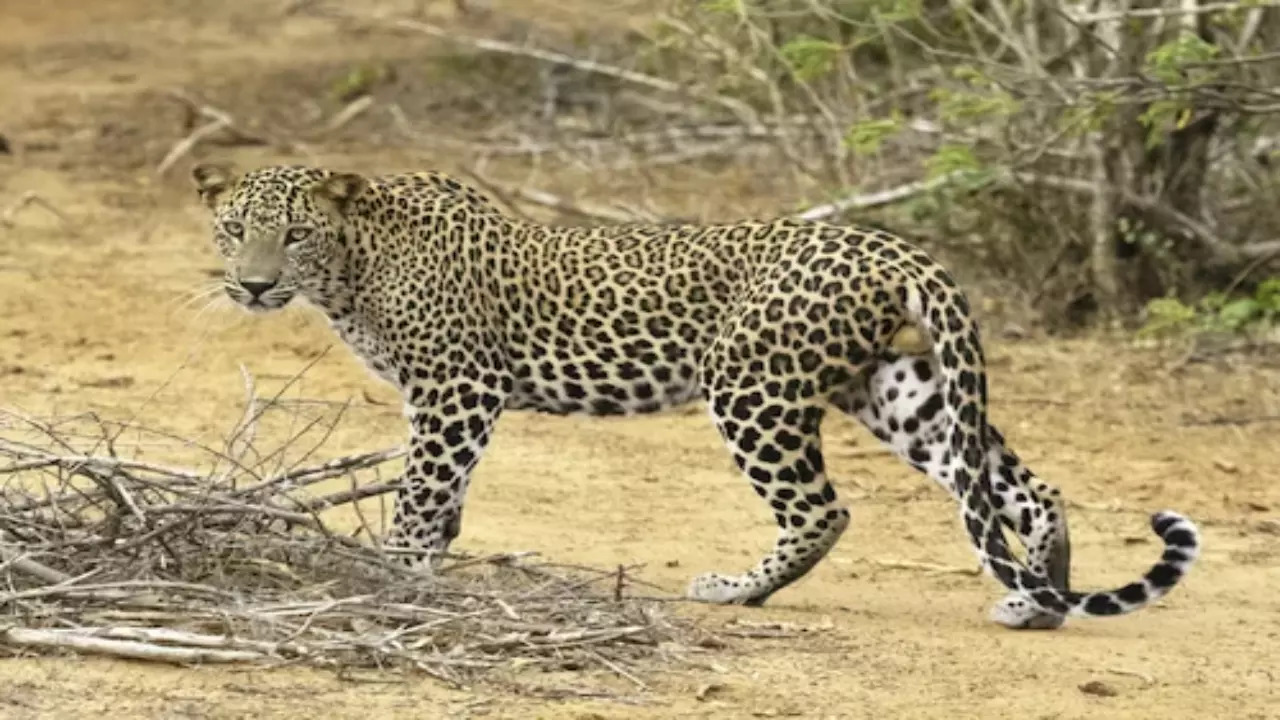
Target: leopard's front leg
[450,424]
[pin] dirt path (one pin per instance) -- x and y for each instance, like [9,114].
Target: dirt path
[92,317]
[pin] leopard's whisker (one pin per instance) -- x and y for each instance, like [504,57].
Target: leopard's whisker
[186,300]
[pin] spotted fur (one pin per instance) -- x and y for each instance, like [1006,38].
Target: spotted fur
[469,312]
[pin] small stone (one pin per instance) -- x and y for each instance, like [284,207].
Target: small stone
[1014,331]
[706,691]
[1098,688]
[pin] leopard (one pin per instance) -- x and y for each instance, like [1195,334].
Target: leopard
[470,311]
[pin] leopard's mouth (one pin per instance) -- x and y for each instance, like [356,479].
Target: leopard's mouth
[257,305]
[264,303]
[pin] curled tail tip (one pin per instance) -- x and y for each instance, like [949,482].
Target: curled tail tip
[1177,531]
[1162,520]
[1181,548]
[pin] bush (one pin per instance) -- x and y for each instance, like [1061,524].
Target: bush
[1098,158]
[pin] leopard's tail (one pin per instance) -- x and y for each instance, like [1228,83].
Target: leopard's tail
[934,302]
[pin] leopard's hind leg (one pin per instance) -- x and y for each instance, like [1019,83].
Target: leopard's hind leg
[777,446]
[768,403]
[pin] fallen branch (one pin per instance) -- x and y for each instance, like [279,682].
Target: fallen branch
[303,477]
[11,558]
[933,568]
[184,146]
[169,636]
[562,205]
[852,452]
[1223,253]
[216,122]
[343,497]
[740,110]
[569,207]
[878,199]
[353,109]
[130,649]
[1219,420]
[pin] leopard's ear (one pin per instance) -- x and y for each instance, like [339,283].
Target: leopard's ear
[212,180]
[340,190]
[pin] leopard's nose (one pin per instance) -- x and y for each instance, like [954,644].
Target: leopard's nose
[257,287]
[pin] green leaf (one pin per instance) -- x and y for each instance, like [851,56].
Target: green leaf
[951,158]
[1168,62]
[1168,316]
[1268,294]
[970,75]
[809,57]
[866,137]
[1213,301]
[896,11]
[1159,116]
[978,97]
[359,80]
[1238,313]
[728,7]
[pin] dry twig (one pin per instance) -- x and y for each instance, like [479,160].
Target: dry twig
[353,109]
[881,198]
[216,122]
[88,642]
[598,213]
[31,198]
[739,109]
[934,568]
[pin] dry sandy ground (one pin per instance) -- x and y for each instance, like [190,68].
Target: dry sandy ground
[92,318]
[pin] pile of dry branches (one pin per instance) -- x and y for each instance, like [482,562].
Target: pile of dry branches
[235,564]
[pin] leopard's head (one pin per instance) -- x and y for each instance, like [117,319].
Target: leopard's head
[280,230]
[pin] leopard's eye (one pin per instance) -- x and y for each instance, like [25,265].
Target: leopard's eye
[296,235]
[234,228]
